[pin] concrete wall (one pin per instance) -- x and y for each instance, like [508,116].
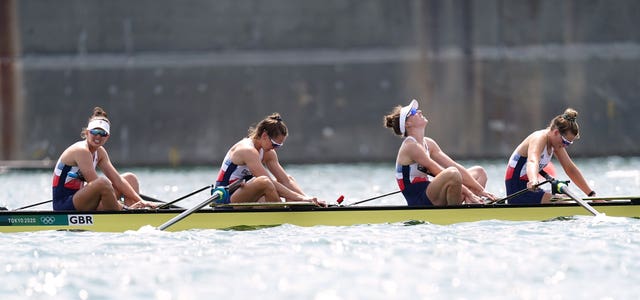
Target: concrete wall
[183,80]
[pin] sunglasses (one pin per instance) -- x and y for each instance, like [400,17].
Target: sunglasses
[412,112]
[100,132]
[565,141]
[275,145]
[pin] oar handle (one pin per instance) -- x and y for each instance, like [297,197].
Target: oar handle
[520,192]
[234,186]
[546,175]
[516,194]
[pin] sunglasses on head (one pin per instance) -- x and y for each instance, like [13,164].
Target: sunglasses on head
[565,141]
[98,131]
[275,145]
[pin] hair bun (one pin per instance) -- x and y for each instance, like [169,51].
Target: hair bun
[99,112]
[568,117]
[277,118]
[570,114]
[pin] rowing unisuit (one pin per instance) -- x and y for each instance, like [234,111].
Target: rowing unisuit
[516,177]
[67,180]
[230,172]
[413,180]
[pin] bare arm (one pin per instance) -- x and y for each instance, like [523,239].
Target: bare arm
[83,159]
[273,164]
[411,151]
[116,180]
[536,144]
[251,159]
[444,160]
[285,183]
[572,170]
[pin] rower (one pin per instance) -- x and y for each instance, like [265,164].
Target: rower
[254,158]
[535,152]
[420,157]
[76,184]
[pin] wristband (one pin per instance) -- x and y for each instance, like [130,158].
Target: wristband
[593,193]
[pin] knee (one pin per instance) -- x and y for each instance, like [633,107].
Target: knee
[479,174]
[478,170]
[130,177]
[453,175]
[103,184]
[264,183]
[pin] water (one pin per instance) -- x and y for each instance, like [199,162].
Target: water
[582,258]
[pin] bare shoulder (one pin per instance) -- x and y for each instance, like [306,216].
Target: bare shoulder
[75,152]
[410,151]
[536,137]
[244,145]
[79,148]
[408,143]
[243,151]
[533,142]
[538,133]
[431,142]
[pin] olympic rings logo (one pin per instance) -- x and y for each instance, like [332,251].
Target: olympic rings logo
[47,220]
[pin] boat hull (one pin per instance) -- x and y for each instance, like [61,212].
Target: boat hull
[22,221]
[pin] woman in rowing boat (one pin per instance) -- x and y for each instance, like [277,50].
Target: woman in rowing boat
[420,157]
[252,158]
[535,152]
[76,184]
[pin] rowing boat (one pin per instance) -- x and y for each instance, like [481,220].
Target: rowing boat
[300,214]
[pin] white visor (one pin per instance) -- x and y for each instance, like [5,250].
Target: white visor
[98,123]
[404,113]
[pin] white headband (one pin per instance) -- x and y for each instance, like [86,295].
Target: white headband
[99,123]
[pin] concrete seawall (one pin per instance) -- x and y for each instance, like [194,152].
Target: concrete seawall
[182,81]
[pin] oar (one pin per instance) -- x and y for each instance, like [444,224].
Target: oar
[151,199]
[35,204]
[268,204]
[169,204]
[612,198]
[516,194]
[561,187]
[369,199]
[218,193]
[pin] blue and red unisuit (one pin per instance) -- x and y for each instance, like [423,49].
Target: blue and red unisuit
[230,172]
[413,181]
[516,178]
[66,182]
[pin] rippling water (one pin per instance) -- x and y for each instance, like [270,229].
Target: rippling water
[580,258]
